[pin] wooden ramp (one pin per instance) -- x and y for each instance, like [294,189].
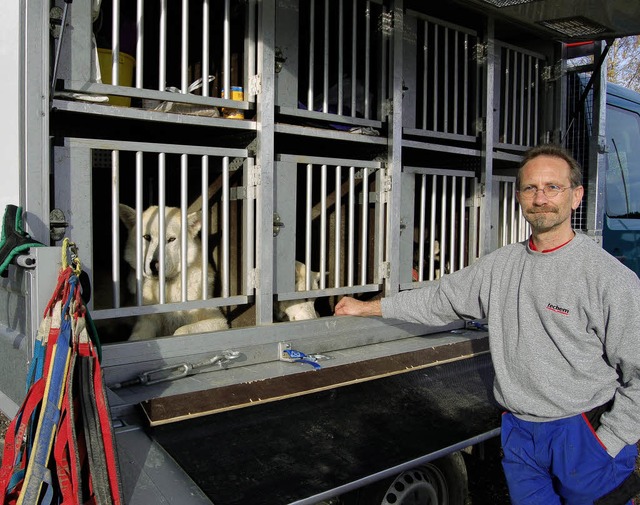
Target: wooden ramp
[184,406]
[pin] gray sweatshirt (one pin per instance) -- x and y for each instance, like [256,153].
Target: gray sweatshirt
[564,330]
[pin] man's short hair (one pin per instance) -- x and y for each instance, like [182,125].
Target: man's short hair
[575,175]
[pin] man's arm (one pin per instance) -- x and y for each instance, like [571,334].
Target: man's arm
[351,307]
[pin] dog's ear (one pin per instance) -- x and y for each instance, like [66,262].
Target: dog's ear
[194,222]
[128,216]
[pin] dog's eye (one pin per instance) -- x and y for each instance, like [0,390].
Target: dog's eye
[147,237]
[170,239]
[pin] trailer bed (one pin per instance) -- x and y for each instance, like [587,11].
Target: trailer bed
[312,447]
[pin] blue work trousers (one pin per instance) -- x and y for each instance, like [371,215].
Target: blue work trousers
[559,462]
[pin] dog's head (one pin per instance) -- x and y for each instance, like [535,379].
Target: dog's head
[150,234]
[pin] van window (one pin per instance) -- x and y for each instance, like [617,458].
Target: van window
[623,167]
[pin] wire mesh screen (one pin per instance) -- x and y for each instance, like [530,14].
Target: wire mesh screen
[579,128]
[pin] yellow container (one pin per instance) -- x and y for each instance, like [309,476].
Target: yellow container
[237,93]
[126,63]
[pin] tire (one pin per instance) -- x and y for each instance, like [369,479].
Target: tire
[440,482]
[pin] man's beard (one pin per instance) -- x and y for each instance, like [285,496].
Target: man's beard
[542,218]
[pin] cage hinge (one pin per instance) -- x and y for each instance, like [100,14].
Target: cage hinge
[384,270]
[385,188]
[238,193]
[255,85]
[481,52]
[255,176]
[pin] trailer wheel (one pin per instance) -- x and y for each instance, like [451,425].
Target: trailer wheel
[441,482]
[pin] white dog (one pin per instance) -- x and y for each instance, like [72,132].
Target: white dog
[176,322]
[297,310]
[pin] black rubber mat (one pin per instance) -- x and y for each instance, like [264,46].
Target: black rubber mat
[284,451]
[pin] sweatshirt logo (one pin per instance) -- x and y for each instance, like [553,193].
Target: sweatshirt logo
[559,310]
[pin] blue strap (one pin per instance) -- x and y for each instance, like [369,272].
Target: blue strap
[36,367]
[50,415]
[300,357]
[479,326]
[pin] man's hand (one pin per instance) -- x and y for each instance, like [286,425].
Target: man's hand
[351,307]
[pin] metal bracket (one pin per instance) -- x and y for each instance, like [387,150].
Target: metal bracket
[277,224]
[280,60]
[282,347]
[481,52]
[238,193]
[55,21]
[552,72]
[603,147]
[57,225]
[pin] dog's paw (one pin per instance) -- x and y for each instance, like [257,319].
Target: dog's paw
[183,330]
[203,326]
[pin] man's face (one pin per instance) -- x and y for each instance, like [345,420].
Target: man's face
[542,212]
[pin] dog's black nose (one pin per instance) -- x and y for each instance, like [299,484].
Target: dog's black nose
[155,267]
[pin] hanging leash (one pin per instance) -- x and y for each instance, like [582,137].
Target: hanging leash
[60,447]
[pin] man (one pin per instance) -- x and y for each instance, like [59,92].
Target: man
[564,324]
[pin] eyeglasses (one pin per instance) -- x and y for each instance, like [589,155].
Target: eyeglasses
[550,191]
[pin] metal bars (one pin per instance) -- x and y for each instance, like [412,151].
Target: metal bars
[512,225]
[202,54]
[198,191]
[445,92]
[520,86]
[441,228]
[334,73]
[335,224]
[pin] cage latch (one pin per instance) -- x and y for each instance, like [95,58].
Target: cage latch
[277,224]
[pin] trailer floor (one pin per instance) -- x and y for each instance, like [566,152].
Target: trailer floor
[285,451]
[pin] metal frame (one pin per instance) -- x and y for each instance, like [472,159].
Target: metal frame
[273,75]
[445,90]
[71,163]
